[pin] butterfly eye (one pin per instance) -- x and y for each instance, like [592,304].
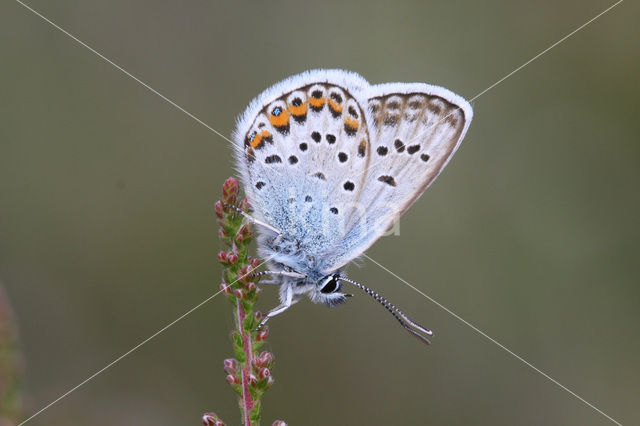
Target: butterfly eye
[329,285]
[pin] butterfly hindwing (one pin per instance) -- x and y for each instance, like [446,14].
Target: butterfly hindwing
[415,130]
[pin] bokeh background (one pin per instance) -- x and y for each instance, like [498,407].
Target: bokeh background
[107,230]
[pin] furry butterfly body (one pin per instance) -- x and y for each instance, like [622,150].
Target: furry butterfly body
[330,162]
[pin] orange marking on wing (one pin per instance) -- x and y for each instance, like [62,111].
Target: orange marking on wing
[256,140]
[351,123]
[362,148]
[298,110]
[265,134]
[316,102]
[279,120]
[335,106]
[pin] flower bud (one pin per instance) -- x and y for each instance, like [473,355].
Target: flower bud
[264,373]
[246,229]
[239,293]
[262,334]
[230,365]
[211,419]
[264,359]
[232,258]
[219,209]
[278,423]
[258,316]
[232,379]
[254,262]
[230,190]
[246,273]
[226,288]
[245,204]
[253,380]
[270,381]
[251,286]
[222,257]
[222,234]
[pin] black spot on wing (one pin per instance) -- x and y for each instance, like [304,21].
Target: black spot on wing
[392,105]
[300,119]
[390,120]
[273,159]
[335,105]
[434,108]
[389,180]
[283,129]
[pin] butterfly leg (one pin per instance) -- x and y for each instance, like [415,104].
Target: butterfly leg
[270,282]
[286,304]
[281,273]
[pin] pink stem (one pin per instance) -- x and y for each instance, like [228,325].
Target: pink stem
[247,401]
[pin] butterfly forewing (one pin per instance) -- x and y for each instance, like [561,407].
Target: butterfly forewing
[303,156]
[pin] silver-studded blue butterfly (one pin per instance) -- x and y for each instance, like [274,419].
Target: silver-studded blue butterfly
[329,163]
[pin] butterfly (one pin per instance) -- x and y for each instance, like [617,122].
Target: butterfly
[329,163]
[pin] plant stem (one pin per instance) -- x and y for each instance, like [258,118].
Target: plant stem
[248,373]
[247,401]
[10,366]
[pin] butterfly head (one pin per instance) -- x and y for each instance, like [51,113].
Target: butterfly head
[328,291]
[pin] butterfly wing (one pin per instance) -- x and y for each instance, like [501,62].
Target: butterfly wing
[416,129]
[302,148]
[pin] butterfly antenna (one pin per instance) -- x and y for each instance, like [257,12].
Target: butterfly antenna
[407,323]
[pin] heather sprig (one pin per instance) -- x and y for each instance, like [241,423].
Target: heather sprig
[249,372]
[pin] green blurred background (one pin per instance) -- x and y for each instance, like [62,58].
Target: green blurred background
[107,230]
